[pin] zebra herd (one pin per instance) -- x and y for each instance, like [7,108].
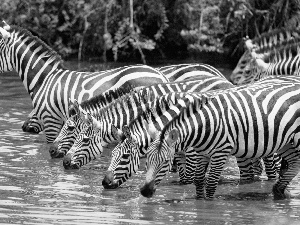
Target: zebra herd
[189,114]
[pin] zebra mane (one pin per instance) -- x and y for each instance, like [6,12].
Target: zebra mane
[275,37]
[98,101]
[154,108]
[124,101]
[198,102]
[51,54]
[290,49]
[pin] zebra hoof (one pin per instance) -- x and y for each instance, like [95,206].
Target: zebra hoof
[280,194]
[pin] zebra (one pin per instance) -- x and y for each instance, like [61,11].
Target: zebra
[264,43]
[284,60]
[32,124]
[195,72]
[126,155]
[74,123]
[129,106]
[249,122]
[50,85]
[174,73]
[188,72]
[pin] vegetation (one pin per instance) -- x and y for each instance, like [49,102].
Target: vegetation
[126,30]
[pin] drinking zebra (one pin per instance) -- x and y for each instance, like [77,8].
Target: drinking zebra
[186,72]
[50,86]
[265,43]
[174,73]
[134,141]
[129,105]
[250,122]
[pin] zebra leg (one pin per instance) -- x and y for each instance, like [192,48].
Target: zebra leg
[199,180]
[292,157]
[270,167]
[32,124]
[186,166]
[180,161]
[191,158]
[246,170]
[257,166]
[174,164]
[217,163]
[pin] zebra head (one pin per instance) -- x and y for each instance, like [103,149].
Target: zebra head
[5,62]
[87,145]
[72,127]
[241,66]
[125,159]
[160,155]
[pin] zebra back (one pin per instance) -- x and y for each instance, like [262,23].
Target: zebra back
[267,109]
[122,111]
[50,86]
[184,72]
[207,83]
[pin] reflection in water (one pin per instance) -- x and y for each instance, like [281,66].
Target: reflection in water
[35,189]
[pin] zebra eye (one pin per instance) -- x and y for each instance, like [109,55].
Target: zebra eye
[85,139]
[71,128]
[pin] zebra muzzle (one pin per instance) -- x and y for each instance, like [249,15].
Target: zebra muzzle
[108,181]
[67,163]
[148,189]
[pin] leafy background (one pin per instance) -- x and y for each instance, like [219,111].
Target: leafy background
[142,30]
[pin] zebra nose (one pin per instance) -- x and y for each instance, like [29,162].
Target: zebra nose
[107,180]
[148,189]
[68,164]
[53,149]
[67,161]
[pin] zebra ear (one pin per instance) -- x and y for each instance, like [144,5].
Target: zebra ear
[87,118]
[117,133]
[152,131]
[172,136]
[74,108]
[71,109]
[96,123]
[6,26]
[249,45]
[4,33]
[126,132]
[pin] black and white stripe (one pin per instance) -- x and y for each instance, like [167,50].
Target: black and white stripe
[248,122]
[122,111]
[50,85]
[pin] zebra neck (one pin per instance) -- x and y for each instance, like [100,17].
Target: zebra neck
[200,128]
[34,71]
[32,61]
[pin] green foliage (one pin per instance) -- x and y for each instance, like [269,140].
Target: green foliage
[250,18]
[206,29]
[93,28]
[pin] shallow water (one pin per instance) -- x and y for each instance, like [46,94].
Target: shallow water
[35,189]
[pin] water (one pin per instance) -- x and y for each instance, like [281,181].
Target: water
[35,189]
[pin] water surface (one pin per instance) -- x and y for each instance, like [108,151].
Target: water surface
[35,189]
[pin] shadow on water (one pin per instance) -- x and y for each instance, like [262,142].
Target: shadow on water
[35,189]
